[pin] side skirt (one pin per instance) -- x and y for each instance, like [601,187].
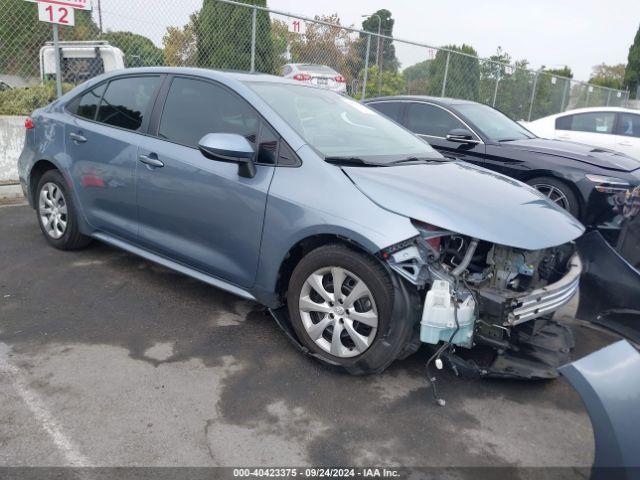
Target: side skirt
[178,267]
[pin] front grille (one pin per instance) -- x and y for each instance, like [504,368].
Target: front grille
[547,299]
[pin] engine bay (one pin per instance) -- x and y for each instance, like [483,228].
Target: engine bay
[479,295]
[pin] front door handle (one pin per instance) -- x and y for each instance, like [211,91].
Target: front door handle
[76,137]
[625,144]
[151,160]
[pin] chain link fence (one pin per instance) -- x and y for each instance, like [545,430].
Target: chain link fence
[224,34]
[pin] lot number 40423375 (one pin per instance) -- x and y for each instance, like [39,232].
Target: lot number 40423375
[52,13]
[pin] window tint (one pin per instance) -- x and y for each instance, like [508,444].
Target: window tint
[287,157]
[430,120]
[194,108]
[126,101]
[594,122]
[390,109]
[268,145]
[628,125]
[87,105]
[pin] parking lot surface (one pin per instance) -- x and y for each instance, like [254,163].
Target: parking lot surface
[109,360]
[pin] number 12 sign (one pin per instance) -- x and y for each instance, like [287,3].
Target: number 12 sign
[52,13]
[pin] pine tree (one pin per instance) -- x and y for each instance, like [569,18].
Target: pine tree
[632,72]
[223,37]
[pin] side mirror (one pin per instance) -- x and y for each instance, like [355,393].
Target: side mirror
[230,147]
[461,135]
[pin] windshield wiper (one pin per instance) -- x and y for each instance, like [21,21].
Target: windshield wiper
[418,160]
[350,161]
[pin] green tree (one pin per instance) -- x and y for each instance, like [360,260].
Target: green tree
[416,77]
[463,73]
[322,44]
[388,83]
[387,57]
[611,76]
[179,44]
[22,35]
[138,50]
[223,37]
[632,72]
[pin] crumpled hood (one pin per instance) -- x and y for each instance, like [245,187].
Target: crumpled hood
[469,200]
[599,157]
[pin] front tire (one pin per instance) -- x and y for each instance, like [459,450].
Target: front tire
[340,304]
[57,215]
[557,192]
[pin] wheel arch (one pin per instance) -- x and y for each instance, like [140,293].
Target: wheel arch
[38,169]
[565,181]
[305,245]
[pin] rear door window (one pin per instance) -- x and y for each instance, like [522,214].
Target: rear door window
[194,108]
[390,109]
[430,120]
[628,125]
[592,122]
[126,102]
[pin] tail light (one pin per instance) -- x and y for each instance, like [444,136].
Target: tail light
[28,124]
[302,77]
[340,79]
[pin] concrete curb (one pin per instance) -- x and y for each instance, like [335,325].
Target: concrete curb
[11,193]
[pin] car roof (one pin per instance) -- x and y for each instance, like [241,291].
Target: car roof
[422,98]
[224,76]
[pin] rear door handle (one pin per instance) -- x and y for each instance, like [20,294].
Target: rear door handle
[151,160]
[76,137]
[625,144]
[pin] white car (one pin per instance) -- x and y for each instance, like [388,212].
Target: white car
[318,75]
[614,128]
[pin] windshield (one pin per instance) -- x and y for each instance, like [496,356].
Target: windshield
[494,124]
[337,126]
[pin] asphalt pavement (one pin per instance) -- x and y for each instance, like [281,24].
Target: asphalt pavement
[109,360]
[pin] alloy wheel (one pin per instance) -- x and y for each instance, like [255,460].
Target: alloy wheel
[52,207]
[338,312]
[554,194]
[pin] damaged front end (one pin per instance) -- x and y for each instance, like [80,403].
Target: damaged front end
[493,299]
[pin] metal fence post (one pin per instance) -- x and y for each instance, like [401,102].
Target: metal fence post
[533,95]
[253,39]
[56,52]
[366,69]
[564,94]
[608,98]
[495,90]
[446,72]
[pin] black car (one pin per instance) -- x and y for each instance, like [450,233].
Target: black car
[580,178]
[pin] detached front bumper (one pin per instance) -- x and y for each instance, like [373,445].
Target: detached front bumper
[546,300]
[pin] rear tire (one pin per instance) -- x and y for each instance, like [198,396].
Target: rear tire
[57,215]
[317,309]
[557,192]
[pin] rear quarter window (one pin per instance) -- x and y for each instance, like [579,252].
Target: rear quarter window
[564,123]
